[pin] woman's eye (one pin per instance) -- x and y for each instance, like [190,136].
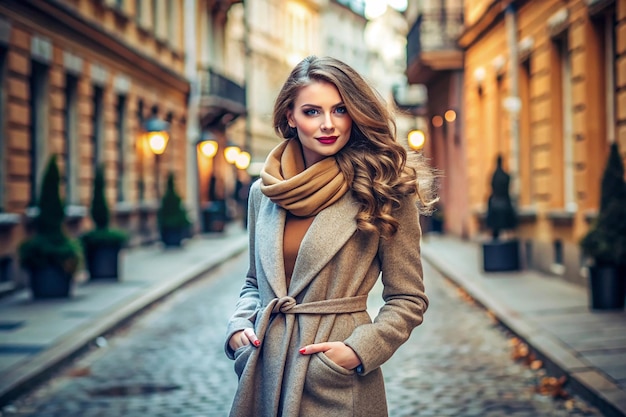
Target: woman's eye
[311,112]
[341,110]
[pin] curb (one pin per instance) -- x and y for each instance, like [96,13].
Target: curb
[37,368]
[583,380]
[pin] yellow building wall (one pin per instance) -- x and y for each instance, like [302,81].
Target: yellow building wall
[150,68]
[546,217]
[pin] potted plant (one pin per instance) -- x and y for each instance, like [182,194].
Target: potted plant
[50,256]
[436,220]
[500,254]
[605,241]
[214,211]
[102,244]
[172,216]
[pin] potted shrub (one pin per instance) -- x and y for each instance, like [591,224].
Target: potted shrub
[102,244]
[605,241]
[172,216]
[436,220]
[50,256]
[500,254]
[214,211]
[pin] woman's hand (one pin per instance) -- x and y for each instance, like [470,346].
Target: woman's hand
[337,352]
[243,338]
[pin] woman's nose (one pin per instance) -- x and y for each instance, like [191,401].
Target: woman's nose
[327,124]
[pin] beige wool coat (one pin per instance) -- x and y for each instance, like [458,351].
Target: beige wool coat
[338,264]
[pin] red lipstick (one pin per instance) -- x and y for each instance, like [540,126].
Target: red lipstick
[327,140]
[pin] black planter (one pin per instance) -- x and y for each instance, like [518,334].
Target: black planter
[501,256]
[50,282]
[607,287]
[436,225]
[214,217]
[173,236]
[103,261]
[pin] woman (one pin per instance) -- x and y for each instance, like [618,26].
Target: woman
[335,207]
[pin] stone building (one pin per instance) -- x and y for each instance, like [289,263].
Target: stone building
[542,85]
[80,79]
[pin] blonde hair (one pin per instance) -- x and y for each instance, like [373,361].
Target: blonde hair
[376,166]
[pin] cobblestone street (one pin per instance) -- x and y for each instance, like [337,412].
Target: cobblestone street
[170,362]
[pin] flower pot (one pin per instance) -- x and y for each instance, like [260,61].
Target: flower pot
[501,255]
[50,282]
[436,225]
[607,287]
[214,217]
[103,262]
[173,236]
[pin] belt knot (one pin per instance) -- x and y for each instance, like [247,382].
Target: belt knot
[284,304]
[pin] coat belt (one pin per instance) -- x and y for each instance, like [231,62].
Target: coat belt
[288,305]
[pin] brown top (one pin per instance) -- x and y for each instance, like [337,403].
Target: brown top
[295,229]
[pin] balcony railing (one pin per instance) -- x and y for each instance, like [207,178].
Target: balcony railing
[215,84]
[220,95]
[434,30]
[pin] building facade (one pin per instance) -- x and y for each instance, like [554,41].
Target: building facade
[79,79]
[435,61]
[267,38]
[543,87]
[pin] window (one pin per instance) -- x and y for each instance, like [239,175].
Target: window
[98,127]
[526,139]
[609,61]
[172,24]
[38,126]
[120,129]
[71,138]
[564,86]
[155,16]
[139,149]
[3,146]
[568,137]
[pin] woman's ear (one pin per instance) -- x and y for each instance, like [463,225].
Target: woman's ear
[290,119]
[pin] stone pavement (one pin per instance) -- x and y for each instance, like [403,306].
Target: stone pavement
[550,315]
[37,337]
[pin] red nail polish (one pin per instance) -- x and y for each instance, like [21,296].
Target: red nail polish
[302,350]
[257,343]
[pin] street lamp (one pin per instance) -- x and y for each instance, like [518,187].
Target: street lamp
[416,139]
[231,152]
[243,160]
[156,136]
[208,147]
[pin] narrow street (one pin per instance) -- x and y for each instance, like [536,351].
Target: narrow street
[170,362]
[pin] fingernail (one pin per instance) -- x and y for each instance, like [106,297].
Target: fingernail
[257,343]
[302,350]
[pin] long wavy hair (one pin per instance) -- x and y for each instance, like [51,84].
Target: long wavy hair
[379,169]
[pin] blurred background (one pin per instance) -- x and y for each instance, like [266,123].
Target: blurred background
[146,88]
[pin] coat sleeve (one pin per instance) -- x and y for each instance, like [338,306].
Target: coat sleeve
[249,302]
[404,298]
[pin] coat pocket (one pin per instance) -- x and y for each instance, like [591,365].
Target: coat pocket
[326,373]
[328,388]
[241,358]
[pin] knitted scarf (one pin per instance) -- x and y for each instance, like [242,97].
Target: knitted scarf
[303,191]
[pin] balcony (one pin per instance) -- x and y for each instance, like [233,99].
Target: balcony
[431,45]
[221,99]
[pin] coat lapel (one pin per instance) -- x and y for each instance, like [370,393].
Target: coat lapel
[330,230]
[270,227]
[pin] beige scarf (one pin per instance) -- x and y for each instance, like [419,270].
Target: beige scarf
[302,191]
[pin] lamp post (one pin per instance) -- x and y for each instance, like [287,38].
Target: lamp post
[156,137]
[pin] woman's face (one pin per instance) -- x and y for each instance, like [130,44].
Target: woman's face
[322,121]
